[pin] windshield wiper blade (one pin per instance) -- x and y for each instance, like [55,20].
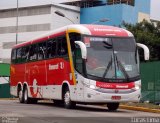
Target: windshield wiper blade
[107,69]
[123,69]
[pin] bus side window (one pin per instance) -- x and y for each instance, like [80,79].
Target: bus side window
[51,48]
[25,53]
[19,55]
[42,51]
[33,53]
[62,47]
[13,56]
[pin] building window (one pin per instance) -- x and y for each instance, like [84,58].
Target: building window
[25,28]
[128,2]
[29,11]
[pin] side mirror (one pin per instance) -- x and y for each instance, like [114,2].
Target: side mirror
[83,49]
[146,50]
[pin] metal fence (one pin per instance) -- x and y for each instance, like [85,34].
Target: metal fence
[150,75]
[4,80]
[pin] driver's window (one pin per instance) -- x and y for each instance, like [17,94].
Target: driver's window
[76,51]
[78,60]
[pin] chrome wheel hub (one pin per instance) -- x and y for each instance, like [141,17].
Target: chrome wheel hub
[67,98]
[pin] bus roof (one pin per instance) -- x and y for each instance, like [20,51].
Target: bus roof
[96,30]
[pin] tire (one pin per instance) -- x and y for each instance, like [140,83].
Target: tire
[58,102]
[112,106]
[67,99]
[28,100]
[21,96]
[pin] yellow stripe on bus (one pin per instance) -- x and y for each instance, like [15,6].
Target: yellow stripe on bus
[73,30]
[70,57]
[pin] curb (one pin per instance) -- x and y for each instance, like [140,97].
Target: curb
[8,98]
[139,109]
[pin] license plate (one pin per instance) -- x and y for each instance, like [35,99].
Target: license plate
[116,97]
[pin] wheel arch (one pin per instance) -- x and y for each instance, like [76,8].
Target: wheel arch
[19,87]
[25,84]
[64,86]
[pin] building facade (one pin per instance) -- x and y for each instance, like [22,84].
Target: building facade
[117,11]
[33,20]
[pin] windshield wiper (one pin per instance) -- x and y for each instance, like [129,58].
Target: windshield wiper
[122,68]
[107,69]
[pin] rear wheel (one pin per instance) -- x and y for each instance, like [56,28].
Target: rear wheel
[28,100]
[112,106]
[67,99]
[21,96]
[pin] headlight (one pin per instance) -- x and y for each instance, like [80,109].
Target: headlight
[90,86]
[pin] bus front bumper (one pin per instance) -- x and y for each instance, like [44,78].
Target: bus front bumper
[111,95]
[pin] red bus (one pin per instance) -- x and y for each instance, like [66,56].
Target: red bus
[90,64]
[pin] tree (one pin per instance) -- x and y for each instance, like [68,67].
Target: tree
[149,34]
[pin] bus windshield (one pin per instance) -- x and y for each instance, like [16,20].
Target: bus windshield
[111,59]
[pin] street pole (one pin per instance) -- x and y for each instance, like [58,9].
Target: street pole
[17,24]
[63,15]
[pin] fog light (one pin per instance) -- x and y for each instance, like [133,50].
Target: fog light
[92,87]
[137,87]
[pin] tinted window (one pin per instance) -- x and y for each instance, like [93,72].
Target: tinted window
[13,56]
[62,47]
[25,54]
[42,51]
[19,55]
[51,48]
[78,60]
[74,37]
[124,44]
[33,53]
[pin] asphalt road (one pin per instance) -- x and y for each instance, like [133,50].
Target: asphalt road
[11,111]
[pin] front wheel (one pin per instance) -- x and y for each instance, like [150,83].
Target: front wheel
[67,100]
[112,106]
